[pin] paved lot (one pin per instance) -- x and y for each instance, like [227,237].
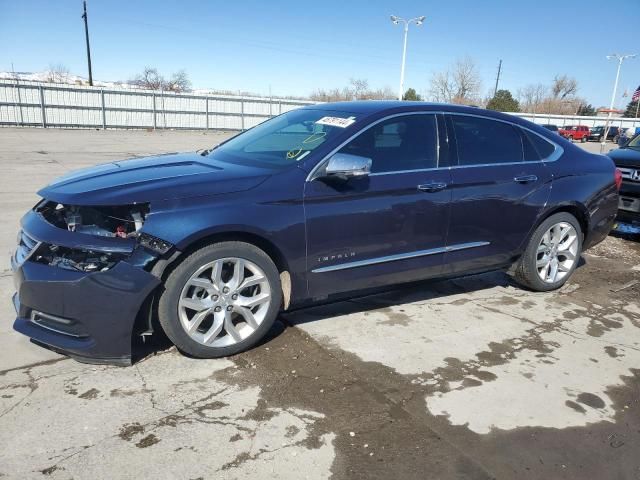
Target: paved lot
[472,378]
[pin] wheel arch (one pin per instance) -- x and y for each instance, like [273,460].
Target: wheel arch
[146,320]
[578,210]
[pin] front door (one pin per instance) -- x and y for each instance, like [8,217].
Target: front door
[387,227]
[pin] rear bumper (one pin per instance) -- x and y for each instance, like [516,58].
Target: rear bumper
[89,316]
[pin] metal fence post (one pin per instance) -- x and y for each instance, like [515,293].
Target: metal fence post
[19,106]
[206,103]
[154,111]
[42,112]
[242,113]
[104,115]
[279,107]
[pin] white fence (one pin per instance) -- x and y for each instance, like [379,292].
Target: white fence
[562,120]
[46,105]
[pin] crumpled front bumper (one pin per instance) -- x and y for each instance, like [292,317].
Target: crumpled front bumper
[89,316]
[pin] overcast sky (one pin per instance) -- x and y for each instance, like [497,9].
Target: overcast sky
[294,47]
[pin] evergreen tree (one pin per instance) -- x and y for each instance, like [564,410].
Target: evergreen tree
[411,95]
[631,110]
[586,111]
[503,101]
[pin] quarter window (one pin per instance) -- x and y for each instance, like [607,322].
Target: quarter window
[483,141]
[400,143]
[535,147]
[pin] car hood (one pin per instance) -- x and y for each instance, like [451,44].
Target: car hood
[625,157]
[154,178]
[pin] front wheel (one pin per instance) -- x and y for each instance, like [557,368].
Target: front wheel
[220,300]
[583,139]
[552,253]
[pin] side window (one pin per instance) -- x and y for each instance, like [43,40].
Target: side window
[535,147]
[400,143]
[483,141]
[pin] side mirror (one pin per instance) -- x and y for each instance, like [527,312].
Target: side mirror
[343,165]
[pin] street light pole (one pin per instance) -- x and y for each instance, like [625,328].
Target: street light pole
[620,59]
[396,20]
[86,36]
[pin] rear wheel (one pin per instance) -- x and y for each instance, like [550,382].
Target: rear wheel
[221,300]
[552,253]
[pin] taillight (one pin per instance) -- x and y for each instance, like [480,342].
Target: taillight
[618,178]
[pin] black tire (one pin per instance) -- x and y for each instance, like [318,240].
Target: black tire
[583,139]
[168,303]
[526,272]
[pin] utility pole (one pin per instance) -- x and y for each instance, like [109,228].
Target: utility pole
[495,90]
[86,35]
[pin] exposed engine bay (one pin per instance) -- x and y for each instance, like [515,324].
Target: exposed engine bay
[117,222]
[120,221]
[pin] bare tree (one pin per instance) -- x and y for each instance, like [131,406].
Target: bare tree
[531,97]
[58,73]
[459,84]
[558,98]
[151,79]
[563,86]
[442,87]
[357,89]
[179,82]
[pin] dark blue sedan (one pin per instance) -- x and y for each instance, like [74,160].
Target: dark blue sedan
[319,203]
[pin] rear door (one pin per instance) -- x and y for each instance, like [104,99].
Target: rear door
[497,196]
[389,226]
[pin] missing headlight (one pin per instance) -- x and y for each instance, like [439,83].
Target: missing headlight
[105,221]
[76,259]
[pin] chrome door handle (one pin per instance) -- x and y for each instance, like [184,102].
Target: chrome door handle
[526,179]
[432,187]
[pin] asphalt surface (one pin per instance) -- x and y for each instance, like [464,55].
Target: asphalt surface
[471,378]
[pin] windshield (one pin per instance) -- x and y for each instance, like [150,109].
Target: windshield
[286,139]
[598,129]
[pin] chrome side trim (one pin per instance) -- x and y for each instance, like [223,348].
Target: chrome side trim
[399,256]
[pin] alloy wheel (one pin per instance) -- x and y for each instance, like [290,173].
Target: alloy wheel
[224,302]
[557,252]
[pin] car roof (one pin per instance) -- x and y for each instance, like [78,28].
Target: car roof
[370,107]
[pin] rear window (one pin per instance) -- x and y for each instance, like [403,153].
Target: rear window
[482,141]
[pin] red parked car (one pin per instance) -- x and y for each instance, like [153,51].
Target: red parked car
[577,132]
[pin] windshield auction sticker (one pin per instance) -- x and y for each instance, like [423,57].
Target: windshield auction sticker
[336,121]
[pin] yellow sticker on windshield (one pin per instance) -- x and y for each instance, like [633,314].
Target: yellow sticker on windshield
[336,121]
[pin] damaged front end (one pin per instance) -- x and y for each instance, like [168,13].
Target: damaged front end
[123,222]
[82,275]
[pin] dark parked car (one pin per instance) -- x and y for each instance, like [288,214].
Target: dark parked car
[598,132]
[551,128]
[316,204]
[627,159]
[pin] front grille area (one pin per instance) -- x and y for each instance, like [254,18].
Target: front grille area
[630,174]
[26,247]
